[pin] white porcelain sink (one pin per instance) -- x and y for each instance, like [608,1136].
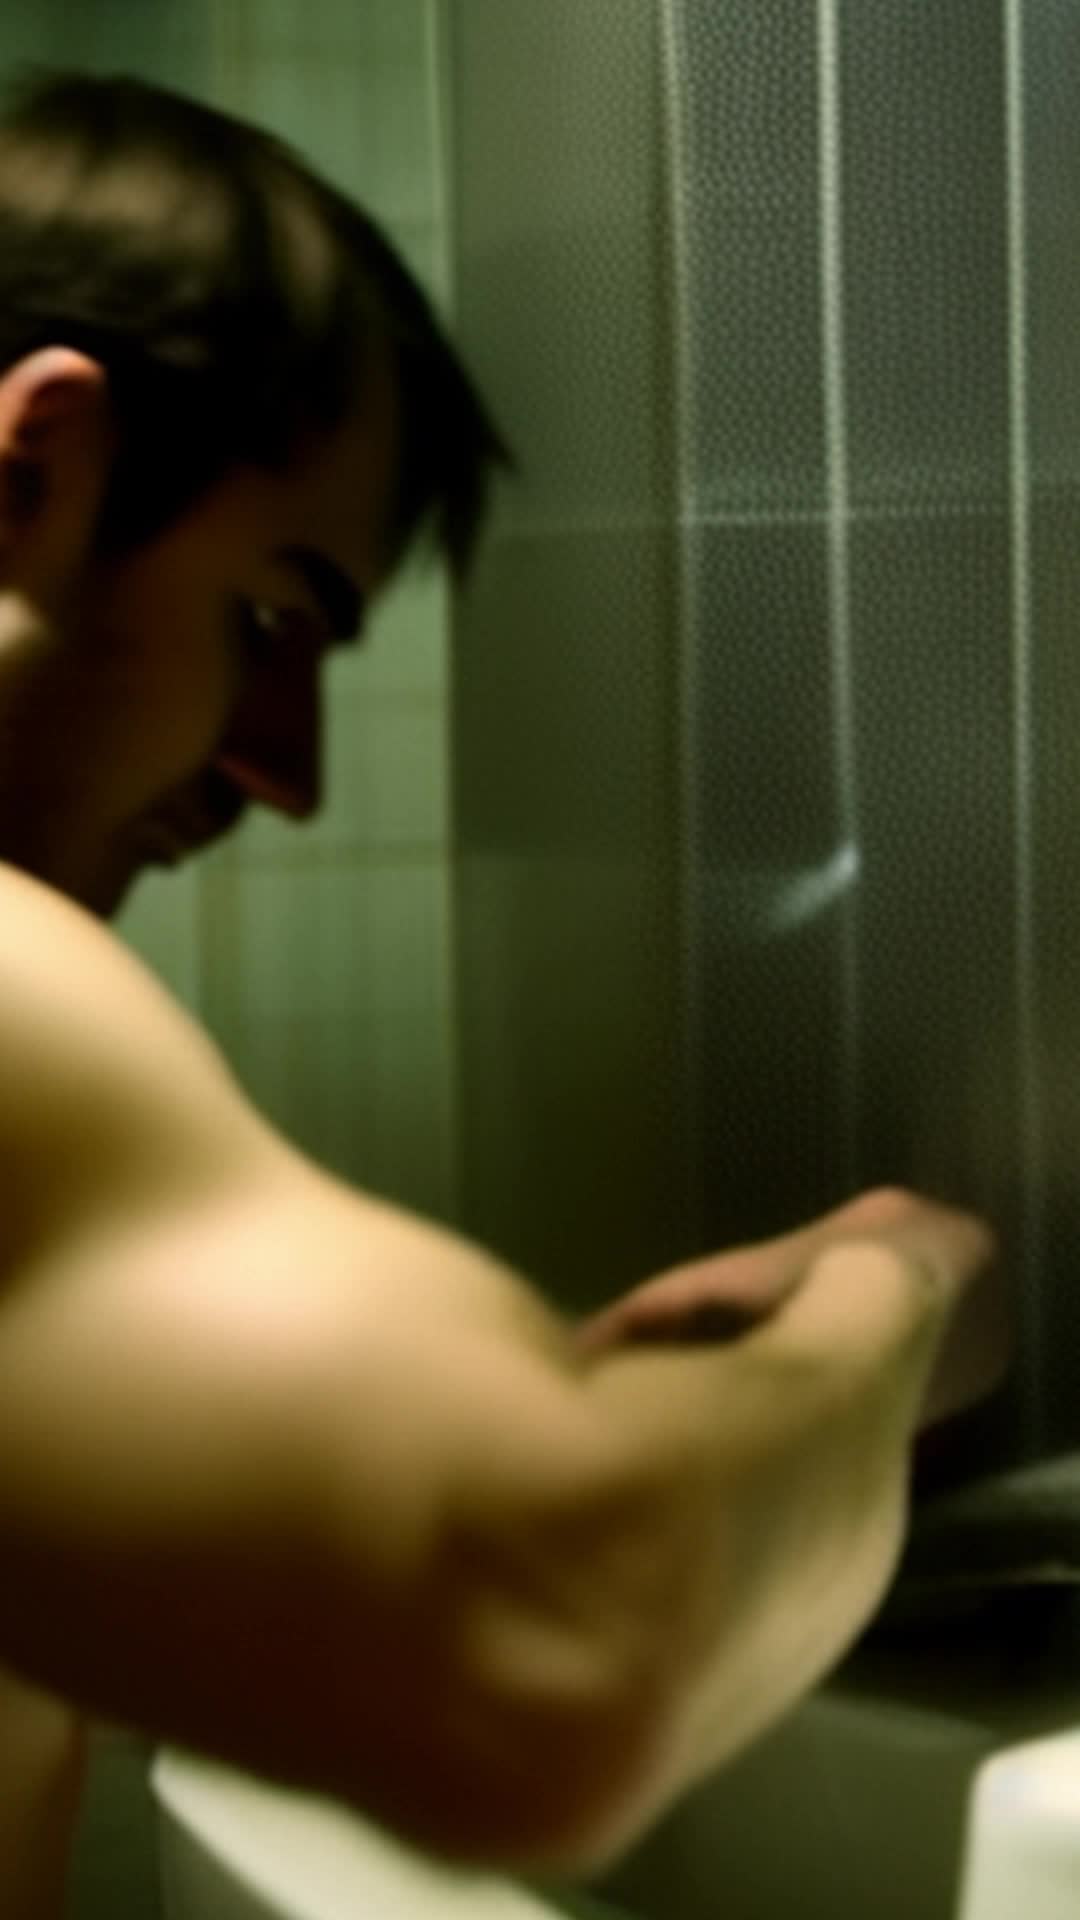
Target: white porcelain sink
[856,1805]
[233,1848]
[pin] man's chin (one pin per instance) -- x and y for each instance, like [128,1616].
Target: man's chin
[106,892]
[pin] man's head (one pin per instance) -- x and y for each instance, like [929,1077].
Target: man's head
[226,411]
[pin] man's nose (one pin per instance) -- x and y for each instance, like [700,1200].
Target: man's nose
[272,749]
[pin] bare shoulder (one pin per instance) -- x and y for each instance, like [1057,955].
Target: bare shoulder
[71,992]
[104,1078]
[114,1103]
[138,1180]
[249,1501]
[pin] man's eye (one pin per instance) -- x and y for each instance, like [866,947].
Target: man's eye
[251,627]
[268,619]
[259,629]
[270,633]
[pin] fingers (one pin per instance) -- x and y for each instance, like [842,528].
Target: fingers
[724,1295]
[717,1297]
[975,1353]
[885,1281]
[955,1244]
[860,1296]
[705,1322]
[884,1288]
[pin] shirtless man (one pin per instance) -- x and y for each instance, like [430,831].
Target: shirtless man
[285,1473]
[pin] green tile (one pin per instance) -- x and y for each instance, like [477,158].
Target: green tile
[366,124]
[370,29]
[375,1109]
[405,651]
[386,779]
[389,774]
[161,923]
[421,244]
[171,47]
[328,991]
[340,941]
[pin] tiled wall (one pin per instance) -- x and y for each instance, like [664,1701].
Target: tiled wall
[319,956]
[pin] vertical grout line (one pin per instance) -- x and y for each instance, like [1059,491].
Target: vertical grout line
[692,896]
[1031,1131]
[838,552]
[437,39]
[438,44]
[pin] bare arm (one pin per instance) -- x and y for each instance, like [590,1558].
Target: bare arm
[802,1431]
[289,1476]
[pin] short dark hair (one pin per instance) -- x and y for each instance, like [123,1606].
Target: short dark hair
[237,301]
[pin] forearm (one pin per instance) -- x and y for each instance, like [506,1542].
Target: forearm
[778,1467]
[709,1526]
[287,1475]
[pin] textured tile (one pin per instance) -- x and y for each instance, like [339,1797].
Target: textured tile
[161,923]
[421,244]
[328,990]
[344,942]
[386,786]
[376,29]
[369,1099]
[406,646]
[388,773]
[170,48]
[365,123]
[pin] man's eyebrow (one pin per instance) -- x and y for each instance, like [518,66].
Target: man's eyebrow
[341,602]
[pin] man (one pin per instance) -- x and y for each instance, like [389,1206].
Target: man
[286,1474]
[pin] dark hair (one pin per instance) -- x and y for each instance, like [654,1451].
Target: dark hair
[237,301]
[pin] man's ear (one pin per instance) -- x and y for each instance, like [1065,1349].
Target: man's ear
[56,448]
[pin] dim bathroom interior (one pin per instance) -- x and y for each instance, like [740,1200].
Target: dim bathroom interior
[714,853]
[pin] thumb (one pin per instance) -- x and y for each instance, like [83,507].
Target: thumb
[880,1306]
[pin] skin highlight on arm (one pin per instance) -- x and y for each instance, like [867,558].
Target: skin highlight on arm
[340,1498]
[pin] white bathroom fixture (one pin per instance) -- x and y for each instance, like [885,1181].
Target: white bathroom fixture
[1023,1854]
[234,1848]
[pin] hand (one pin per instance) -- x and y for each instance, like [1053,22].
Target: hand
[725,1296]
[791,1441]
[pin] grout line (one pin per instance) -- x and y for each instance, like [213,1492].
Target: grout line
[689,750]
[1030,1113]
[437,36]
[830,123]
[754,518]
[356,856]
[404,701]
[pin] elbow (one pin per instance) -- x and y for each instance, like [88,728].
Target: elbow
[540,1750]
[537,1752]
[613,1786]
[596,1785]
[536,1693]
[564,1716]
[570,1676]
[553,1792]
